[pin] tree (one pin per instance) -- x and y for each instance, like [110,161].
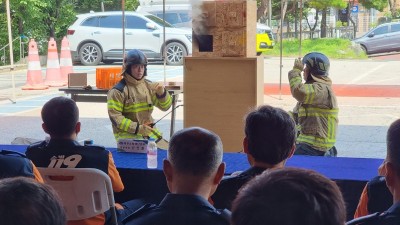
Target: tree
[323,5]
[393,8]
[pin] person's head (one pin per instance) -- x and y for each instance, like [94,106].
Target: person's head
[60,117]
[135,64]
[269,135]
[289,196]
[392,161]
[316,64]
[194,162]
[25,201]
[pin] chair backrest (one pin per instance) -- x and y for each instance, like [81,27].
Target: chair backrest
[85,192]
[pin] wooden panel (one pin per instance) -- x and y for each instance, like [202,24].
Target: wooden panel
[232,26]
[219,92]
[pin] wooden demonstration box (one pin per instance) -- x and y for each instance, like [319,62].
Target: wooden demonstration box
[219,92]
[224,28]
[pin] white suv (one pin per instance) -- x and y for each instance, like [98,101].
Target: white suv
[97,37]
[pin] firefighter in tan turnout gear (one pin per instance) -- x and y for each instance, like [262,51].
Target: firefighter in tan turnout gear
[131,101]
[316,112]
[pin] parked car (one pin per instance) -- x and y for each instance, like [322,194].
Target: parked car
[383,38]
[264,38]
[180,15]
[97,37]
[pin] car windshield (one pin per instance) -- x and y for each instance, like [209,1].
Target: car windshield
[159,21]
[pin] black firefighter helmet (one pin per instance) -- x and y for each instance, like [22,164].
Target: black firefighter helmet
[134,57]
[318,63]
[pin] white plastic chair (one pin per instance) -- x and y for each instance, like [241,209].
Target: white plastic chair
[85,192]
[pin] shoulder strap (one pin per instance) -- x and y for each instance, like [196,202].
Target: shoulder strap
[120,85]
[10,152]
[364,219]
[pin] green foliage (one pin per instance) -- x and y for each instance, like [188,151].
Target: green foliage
[85,6]
[324,4]
[341,24]
[379,5]
[333,48]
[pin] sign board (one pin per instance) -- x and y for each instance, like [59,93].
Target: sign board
[354,9]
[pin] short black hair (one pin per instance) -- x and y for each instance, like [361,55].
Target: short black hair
[195,151]
[393,143]
[26,201]
[60,115]
[289,196]
[270,133]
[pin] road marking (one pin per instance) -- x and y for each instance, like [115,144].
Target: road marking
[355,80]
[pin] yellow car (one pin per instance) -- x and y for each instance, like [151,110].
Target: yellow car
[265,38]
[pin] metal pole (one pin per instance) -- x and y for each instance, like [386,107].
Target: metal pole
[270,13]
[102,6]
[301,26]
[13,100]
[165,46]
[281,49]
[123,28]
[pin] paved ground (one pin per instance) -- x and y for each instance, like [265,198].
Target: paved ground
[368,95]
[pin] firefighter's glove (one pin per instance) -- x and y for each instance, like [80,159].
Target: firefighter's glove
[298,64]
[160,90]
[145,130]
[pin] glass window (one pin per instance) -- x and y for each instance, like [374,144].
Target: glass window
[395,27]
[158,20]
[91,22]
[171,18]
[381,30]
[135,22]
[185,17]
[114,21]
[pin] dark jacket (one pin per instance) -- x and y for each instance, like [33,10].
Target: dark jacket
[68,154]
[178,209]
[389,217]
[229,187]
[13,164]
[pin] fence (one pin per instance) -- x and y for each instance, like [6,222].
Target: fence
[340,32]
[5,50]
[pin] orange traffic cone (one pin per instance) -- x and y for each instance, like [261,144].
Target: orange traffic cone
[34,80]
[53,72]
[65,60]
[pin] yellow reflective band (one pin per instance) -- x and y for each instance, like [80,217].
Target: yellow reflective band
[307,111]
[331,127]
[317,141]
[155,134]
[111,104]
[310,93]
[139,107]
[294,81]
[167,103]
[125,124]
[127,135]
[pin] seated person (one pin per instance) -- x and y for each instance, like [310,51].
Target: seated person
[375,197]
[27,202]
[193,169]
[60,117]
[269,141]
[289,196]
[14,164]
[391,171]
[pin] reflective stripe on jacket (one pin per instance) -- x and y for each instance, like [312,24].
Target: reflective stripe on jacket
[133,105]
[317,110]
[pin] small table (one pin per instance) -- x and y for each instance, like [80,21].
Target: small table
[86,95]
[100,95]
